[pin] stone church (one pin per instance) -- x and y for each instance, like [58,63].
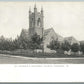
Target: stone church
[36,25]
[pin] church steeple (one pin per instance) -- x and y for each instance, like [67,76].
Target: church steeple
[35,9]
[42,10]
[29,9]
[36,22]
[35,5]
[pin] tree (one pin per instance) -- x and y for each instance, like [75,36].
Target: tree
[75,47]
[82,48]
[2,41]
[23,39]
[35,42]
[54,45]
[6,43]
[15,44]
[66,46]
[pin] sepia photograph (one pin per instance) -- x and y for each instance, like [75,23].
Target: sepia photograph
[41,32]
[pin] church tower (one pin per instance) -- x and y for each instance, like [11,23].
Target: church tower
[36,22]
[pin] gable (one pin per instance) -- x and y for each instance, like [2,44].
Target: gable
[50,35]
[71,40]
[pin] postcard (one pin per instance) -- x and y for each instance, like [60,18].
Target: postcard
[41,41]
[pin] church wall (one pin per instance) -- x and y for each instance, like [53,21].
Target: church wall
[49,37]
[47,41]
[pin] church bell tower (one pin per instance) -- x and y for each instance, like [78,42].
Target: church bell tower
[36,22]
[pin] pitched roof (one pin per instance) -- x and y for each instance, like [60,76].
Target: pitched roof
[25,31]
[46,31]
[71,39]
[54,34]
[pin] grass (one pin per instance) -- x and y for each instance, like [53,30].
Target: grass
[29,53]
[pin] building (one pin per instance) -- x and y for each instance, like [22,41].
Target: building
[36,25]
[49,35]
[36,22]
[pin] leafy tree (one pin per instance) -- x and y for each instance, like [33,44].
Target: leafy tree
[21,42]
[15,44]
[54,45]
[82,48]
[66,46]
[35,42]
[6,44]
[2,41]
[75,47]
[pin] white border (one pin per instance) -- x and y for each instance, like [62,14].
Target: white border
[41,73]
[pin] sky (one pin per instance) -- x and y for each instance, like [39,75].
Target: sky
[66,18]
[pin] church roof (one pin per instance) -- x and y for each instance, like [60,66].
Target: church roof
[52,34]
[25,31]
[71,40]
[46,31]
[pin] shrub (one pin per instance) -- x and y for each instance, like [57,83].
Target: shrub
[54,45]
[82,48]
[66,46]
[75,47]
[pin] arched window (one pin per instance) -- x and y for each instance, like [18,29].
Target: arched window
[38,22]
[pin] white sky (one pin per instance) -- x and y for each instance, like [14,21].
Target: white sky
[67,18]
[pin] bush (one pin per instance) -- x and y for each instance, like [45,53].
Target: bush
[75,47]
[54,45]
[66,46]
[82,48]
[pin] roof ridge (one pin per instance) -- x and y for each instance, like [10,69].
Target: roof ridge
[48,28]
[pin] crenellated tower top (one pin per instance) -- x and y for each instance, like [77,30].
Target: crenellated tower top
[36,21]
